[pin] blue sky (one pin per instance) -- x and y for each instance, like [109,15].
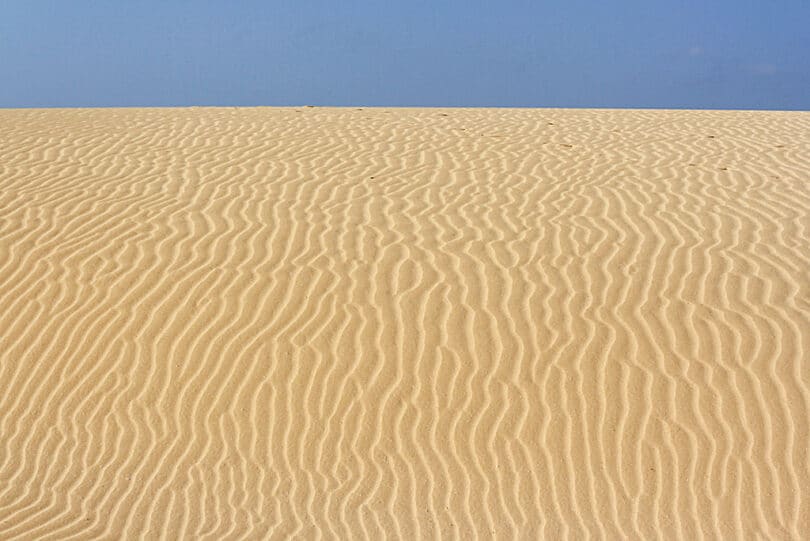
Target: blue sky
[724,54]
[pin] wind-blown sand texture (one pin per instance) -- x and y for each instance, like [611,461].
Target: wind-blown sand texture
[416,324]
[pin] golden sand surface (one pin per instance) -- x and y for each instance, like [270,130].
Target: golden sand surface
[323,323]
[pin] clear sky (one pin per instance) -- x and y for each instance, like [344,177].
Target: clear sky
[728,54]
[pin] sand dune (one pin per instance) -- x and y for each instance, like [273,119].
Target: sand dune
[415,324]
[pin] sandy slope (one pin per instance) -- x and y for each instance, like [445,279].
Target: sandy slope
[274,323]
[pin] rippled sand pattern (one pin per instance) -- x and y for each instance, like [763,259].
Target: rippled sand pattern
[415,324]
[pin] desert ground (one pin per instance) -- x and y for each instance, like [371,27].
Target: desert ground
[367,323]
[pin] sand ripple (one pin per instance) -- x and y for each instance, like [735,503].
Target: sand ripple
[414,324]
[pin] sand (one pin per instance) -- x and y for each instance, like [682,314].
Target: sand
[221,323]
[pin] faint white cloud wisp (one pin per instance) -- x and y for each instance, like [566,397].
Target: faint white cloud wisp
[762,69]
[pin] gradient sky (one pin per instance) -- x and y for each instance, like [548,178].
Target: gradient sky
[727,54]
